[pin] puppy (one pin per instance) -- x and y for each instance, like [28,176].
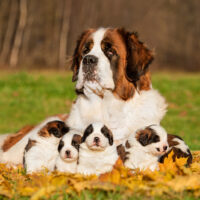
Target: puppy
[13,145]
[41,150]
[97,152]
[180,149]
[68,152]
[145,148]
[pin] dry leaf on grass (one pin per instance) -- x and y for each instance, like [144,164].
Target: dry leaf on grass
[172,178]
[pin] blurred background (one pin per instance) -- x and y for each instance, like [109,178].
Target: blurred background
[42,33]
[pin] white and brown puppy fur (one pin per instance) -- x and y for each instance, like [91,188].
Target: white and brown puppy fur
[41,151]
[97,152]
[145,147]
[111,67]
[68,152]
[180,149]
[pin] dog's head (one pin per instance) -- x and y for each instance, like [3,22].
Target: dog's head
[68,147]
[97,137]
[154,139]
[54,128]
[111,59]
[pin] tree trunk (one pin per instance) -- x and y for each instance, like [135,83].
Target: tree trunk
[19,33]
[64,32]
[9,31]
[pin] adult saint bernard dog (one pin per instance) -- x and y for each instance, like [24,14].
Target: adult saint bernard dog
[111,70]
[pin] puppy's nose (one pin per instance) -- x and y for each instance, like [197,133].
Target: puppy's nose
[68,153]
[96,140]
[164,148]
[90,60]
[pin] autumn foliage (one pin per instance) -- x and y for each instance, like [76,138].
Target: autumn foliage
[172,179]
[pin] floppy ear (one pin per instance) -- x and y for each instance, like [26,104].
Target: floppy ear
[87,132]
[60,146]
[77,54]
[108,134]
[138,56]
[147,136]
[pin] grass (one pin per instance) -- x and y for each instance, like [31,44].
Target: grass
[27,98]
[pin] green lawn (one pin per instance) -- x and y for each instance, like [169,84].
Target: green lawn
[27,98]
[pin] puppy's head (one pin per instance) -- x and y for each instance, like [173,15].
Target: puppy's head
[68,147]
[54,129]
[97,137]
[154,139]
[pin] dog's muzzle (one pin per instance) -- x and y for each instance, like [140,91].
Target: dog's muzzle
[89,67]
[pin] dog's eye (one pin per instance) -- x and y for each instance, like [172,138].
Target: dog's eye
[109,50]
[86,50]
[53,131]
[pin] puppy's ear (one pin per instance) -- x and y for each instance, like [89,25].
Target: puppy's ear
[147,136]
[60,146]
[108,134]
[77,54]
[87,132]
[77,138]
[138,56]
[76,141]
[65,129]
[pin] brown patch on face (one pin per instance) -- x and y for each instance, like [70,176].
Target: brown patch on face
[56,128]
[147,136]
[114,48]
[127,145]
[13,139]
[122,153]
[76,141]
[138,58]
[84,44]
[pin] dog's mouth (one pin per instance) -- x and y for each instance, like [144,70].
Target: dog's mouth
[69,159]
[94,87]
[96,147]
[89,75]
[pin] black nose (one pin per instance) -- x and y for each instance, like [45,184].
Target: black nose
[90,60]
[67,153]
[96,140]
[164,148]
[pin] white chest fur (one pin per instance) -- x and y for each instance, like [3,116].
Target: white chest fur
[96,162]
[63,166]
[122,117]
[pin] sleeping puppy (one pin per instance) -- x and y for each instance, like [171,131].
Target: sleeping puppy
[68,152]
[145,148]
[97,152]
[41,150]
[180,149]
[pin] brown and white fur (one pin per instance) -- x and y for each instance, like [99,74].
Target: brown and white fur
[180,149]
[12,146]
[41,150]
[111,67]
[68,152]
[146,147]
[97,152]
